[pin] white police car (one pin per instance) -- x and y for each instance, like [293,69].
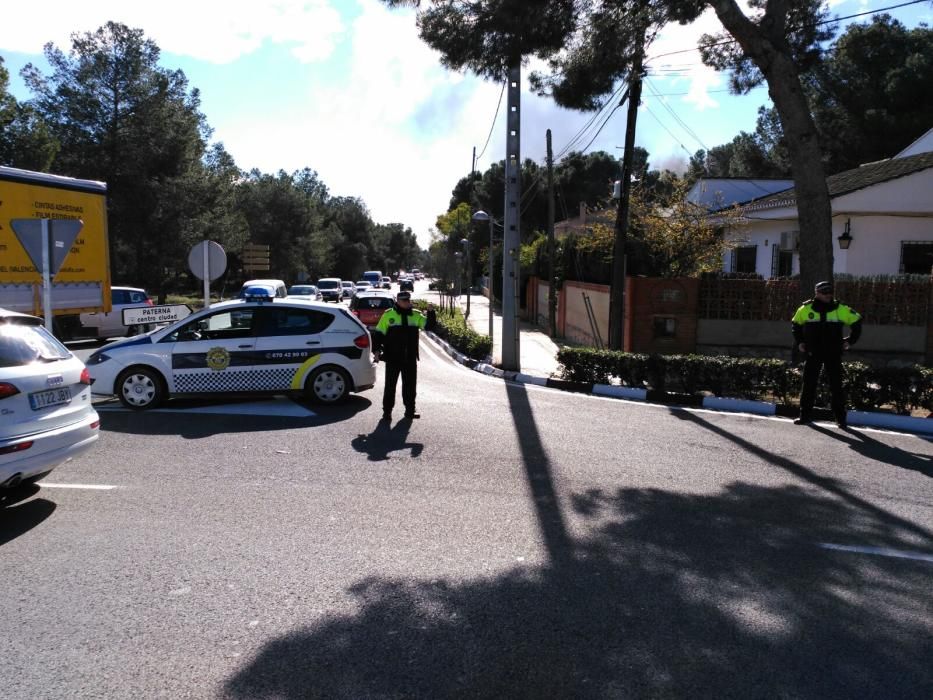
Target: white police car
[254,344]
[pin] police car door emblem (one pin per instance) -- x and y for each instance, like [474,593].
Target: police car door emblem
[218,359]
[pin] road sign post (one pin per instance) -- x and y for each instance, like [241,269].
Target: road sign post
[207,261]
[47,242]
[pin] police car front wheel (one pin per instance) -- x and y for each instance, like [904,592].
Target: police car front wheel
[328,385]
[140,388]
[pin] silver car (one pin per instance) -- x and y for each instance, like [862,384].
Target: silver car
[304,291]
[46,417]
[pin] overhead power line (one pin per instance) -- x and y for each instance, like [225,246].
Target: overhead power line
[493,125]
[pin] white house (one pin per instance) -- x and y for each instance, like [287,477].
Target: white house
[882,221]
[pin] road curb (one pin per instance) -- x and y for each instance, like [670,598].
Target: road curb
[868,419]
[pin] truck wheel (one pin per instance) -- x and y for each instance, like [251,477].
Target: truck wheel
[140,388]
[327,385]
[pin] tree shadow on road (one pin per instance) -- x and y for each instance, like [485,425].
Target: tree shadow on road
[660,594]
[668,595]
[878,451]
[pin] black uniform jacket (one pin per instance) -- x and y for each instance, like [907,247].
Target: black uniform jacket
[396,334]
[820,325]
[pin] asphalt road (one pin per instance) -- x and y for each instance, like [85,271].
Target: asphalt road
[516,542]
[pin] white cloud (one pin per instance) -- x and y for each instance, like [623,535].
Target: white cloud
[394,127]
[209,31]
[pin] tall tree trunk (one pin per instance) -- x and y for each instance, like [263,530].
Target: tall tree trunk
[769,50]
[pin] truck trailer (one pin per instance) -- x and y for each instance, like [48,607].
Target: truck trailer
[82,284]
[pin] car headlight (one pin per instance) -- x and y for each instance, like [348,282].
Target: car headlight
[96,358]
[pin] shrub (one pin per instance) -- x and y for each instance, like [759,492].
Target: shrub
[868,387]
[452,327]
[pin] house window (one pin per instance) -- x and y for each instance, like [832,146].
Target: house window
[785,263]
[665,327]
[916,257]
[743,258]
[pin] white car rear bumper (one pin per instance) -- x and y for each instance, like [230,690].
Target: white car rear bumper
[49,449]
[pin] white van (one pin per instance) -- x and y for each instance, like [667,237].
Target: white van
[374,277]
[277,287]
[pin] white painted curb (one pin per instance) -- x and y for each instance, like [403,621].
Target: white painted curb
[528,379]
[889,420]
[621,392]
[762,408]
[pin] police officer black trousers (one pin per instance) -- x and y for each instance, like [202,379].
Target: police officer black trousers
[409,374]
[811,377]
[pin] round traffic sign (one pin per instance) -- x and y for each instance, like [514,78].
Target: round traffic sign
[210,253]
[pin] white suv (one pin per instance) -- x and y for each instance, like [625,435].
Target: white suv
[46,417]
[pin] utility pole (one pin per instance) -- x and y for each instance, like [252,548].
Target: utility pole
[617,291]
[512,240]
[551,289]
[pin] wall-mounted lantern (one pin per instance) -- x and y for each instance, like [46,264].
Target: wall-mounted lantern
[845,238]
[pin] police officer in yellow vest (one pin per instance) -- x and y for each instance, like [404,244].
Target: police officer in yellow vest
[396,341]
[818,333]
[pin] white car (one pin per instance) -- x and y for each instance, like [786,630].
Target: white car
[110,324]
[276,287]
[304,291]
[46,417]
[257,344]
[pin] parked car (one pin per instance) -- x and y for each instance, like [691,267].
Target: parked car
[277,286]
[45,401]
[368,306]
[348,288]
[258,344]
[110,324]
[304,291]
[330,288]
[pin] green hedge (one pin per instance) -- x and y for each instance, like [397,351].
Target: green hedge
[452,327]
[868,388]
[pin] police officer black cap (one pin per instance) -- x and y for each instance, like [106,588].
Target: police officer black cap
[404,296]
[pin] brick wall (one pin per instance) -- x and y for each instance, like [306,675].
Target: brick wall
[661,315]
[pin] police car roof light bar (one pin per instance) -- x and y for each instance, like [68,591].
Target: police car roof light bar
[257,294]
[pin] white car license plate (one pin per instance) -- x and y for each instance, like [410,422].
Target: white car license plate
[52,397]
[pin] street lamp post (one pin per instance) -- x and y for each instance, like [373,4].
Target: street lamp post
[483,216]
[459,257]
[465,242]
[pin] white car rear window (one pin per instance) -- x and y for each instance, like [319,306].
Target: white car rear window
[24,344]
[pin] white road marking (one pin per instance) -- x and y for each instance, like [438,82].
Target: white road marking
[879,551]
[90,487]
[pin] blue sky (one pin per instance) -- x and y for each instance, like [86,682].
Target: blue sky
[346,88]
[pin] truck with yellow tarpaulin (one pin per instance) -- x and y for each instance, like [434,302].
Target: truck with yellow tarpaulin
[82,283]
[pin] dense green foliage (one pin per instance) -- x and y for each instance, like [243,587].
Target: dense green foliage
[903,388]
[109,111]
[452,327]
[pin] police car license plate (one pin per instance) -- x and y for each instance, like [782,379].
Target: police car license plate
[52,397]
